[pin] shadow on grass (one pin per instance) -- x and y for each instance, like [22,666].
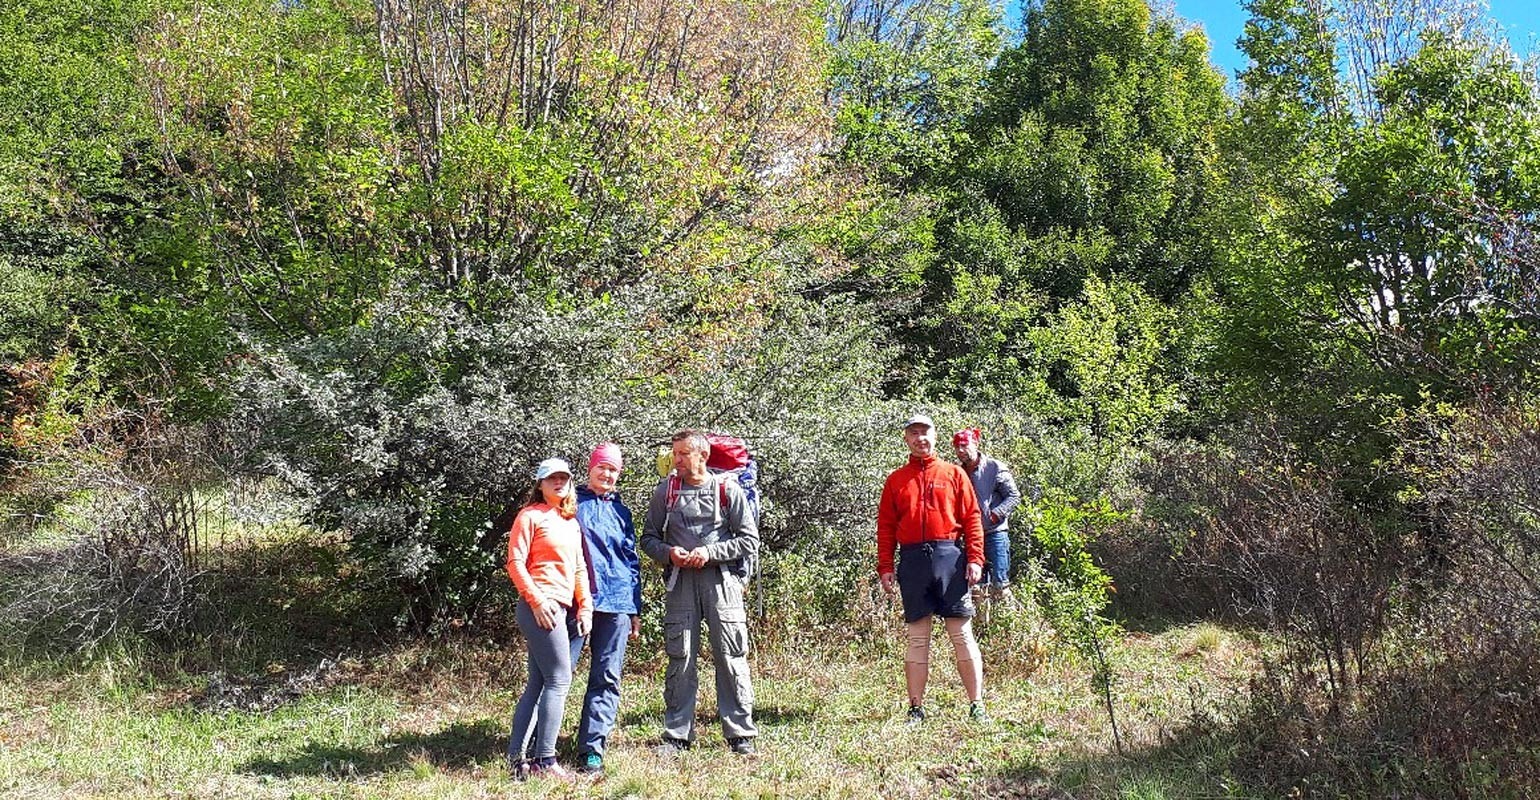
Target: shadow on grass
[782,715]
[460,746]
[1196,762]
[286,601]
[706,716]
[1143,620]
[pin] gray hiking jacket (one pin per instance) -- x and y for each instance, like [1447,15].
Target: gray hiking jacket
[729,535]
[997,491]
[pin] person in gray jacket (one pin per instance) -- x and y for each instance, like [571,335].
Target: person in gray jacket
[998,497]
[700,529]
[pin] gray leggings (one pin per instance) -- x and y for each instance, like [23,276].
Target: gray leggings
[539,710]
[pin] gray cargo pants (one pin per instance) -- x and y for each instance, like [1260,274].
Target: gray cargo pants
[707,594]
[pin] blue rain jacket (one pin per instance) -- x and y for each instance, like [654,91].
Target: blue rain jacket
[609,544]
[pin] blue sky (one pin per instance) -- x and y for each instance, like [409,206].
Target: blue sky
[1223,20]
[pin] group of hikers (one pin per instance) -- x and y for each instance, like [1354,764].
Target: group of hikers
[572,555]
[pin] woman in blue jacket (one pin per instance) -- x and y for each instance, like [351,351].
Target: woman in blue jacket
[614,579]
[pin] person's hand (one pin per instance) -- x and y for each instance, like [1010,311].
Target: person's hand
[585,623]
[679,557]
[889,584]
[975,573]
[698,558]
[547,614]
[994,517]
[636,626]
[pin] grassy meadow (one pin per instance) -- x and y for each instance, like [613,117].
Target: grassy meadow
[298,694]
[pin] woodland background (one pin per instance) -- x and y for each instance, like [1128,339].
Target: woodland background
[317,281]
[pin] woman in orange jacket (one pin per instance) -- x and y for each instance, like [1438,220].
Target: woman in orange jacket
[545,562]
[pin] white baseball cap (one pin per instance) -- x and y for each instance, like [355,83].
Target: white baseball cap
[551,466]
[919,419]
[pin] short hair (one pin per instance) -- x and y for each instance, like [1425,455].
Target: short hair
[697,440]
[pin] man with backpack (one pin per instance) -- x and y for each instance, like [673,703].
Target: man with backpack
[700,528]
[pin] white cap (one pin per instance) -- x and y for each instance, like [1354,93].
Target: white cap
[919,419]
[550,467]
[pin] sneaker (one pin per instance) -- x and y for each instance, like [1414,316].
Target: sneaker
[976,711]
[916,717]
[670,747]
[518,769]
[742,745]
[593,763]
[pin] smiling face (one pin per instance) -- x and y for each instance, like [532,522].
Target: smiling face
[602,477]
[921,439]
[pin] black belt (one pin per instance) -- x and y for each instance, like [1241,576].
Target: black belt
[926,546]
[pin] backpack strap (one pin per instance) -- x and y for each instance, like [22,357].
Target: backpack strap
[671,496]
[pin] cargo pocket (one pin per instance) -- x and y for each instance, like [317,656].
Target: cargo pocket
[735,631]
[676,636]
[730,593]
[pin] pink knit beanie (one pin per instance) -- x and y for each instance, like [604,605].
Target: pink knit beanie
[606,453]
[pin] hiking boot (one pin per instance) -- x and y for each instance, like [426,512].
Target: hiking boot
[976,711]
[592,764]
[742,745]
[670,747]
[916,717]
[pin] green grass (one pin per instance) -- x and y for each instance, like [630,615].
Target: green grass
[428,719]
[397,716]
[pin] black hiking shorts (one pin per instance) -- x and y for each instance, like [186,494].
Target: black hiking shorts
[933,581]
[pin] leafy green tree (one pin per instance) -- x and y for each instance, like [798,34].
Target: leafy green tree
[482,235]
[904,78]
[1366,258]
[1093,154]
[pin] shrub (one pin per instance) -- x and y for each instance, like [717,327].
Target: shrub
[129,565]
[410,433]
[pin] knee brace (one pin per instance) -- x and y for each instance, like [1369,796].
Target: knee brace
[963,644]
[918,635]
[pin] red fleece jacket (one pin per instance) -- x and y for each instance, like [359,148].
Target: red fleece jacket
[928,500]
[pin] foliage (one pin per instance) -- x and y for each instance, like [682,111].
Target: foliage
[131,548]
[1091,153]
[1370,266]
[412,433]
[1269,353]
[1422,712]
[1072,590]
[905,77]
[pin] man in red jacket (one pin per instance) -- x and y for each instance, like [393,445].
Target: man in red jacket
[930,514]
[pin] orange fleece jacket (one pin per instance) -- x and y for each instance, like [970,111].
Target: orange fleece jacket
[545,559]
[926,501]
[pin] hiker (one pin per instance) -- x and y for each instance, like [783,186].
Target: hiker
[545,562]
[699,527]
[998,496]
[928,512]
[614,579]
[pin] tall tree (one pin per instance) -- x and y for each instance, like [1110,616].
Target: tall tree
[1362,258]
[1092,154]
